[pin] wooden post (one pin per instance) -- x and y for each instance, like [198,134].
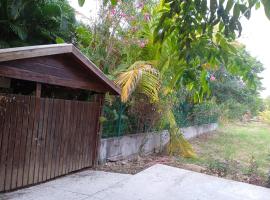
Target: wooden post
[38,90]
[99,98]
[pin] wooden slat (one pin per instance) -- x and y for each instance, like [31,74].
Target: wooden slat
[81,139]
[55,151]
[11,143]
[52,140]
[4,146]
[18,138]
[49,105]
[42,140]
[39,139]
[68,137]
[34,146]
[24,137]
[30,141]
[72,135]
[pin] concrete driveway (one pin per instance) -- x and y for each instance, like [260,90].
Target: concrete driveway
[159,182]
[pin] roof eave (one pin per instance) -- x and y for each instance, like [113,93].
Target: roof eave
[54,49]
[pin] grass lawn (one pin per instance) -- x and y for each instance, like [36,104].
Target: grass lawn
[236,151]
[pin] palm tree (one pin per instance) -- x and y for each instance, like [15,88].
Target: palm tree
[142,77]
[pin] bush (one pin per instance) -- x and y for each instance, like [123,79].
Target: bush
[198,114]
[232,110]
[265,116]
[205,113]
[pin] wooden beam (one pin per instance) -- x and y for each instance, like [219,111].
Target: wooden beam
[12,72]
[38,90]
[34,51]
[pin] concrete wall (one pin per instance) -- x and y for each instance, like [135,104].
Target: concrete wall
[129,146]
[194,131]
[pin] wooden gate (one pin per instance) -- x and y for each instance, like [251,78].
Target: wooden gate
[43,138]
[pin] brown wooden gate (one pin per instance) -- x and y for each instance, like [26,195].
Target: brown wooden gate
[43,138]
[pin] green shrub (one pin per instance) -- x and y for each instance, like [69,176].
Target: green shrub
[265,116]
[205,113]
[233,110]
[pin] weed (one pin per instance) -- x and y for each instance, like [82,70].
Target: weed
[218,167]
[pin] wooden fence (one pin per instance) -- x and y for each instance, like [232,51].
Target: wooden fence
[43,138]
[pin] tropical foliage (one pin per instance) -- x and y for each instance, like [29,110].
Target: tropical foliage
[24,22]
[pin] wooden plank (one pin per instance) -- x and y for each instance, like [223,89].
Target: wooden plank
[34,51]
[63,67]
[84,136]
[39,140]
[47,153]
[55,154]
[12,72]
[43,138]
[59,139]
[80,135]
[34,146]
[71,137]
[89,134]
[30,141]
[68,137]
[11,144]
[24,141]
[20,106]
[52,139]
[5,140]
[75,136]
[2,118]
[64,138]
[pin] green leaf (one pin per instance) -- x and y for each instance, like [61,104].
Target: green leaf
[221,2]
[81,2]
[266,4]
[258,5]
[52,10]
[236,11]
[229,5]
[213,6]
[113,2]
[19,30]
[59,40]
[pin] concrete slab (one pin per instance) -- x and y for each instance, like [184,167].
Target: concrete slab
[162,182]
[158,182]
[77,186]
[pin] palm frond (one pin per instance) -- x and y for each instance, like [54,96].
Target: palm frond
[141,76]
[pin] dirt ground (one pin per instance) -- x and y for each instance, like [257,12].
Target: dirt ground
[140,163]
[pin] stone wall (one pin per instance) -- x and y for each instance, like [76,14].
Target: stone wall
[130,146]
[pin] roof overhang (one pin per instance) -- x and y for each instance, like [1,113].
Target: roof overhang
[54,49]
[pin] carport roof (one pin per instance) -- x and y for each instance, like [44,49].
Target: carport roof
[18,53]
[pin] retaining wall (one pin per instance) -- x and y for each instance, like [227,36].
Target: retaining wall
[130,146]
